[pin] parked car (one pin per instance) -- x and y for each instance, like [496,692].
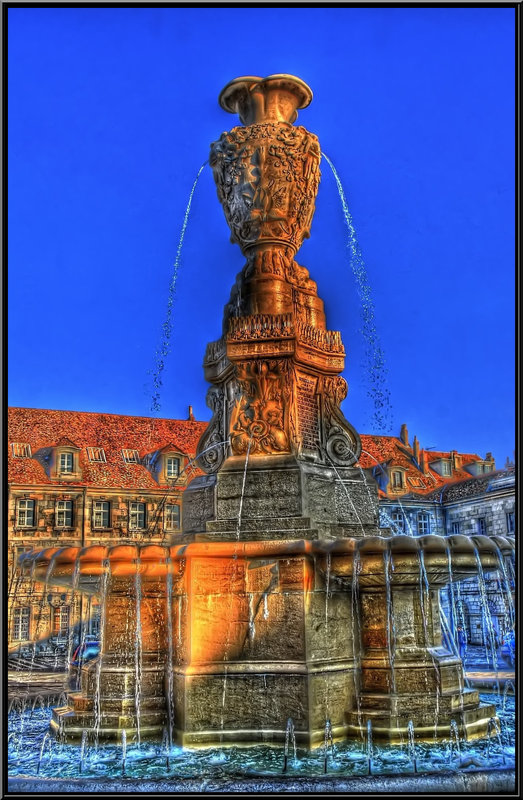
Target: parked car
[82,655]
[508,647]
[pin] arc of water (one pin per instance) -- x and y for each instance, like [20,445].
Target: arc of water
[508,686]
[97,694]
[166,747]
[70,637]
[346,491]
[47,740]
[138,647]
[370,752]
[425,600]
[412,744]
[124,749]
[454,738]
[48,573]
[488,627]
[507,594]
[357,645]
[391,631]
[376,370]
[165,346]
[83,750]
[240,509]
[170,649]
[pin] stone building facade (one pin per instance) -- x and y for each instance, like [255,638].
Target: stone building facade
[78,479]
[426,492]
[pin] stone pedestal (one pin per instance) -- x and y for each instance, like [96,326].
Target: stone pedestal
[124,687]
[261,644]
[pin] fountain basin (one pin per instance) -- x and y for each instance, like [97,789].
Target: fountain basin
[236,637]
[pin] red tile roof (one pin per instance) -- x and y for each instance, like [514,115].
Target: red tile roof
[390,450]
[44,428]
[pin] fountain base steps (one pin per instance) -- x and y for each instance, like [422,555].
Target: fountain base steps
[391,725]
[116,716]
[297,499]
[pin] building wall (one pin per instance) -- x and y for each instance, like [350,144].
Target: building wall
[40,599]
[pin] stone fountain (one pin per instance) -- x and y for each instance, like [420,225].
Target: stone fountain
[283,599]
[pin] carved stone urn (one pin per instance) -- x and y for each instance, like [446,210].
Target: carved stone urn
[267,173]
[275,372]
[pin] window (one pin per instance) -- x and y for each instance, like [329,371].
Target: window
[100,514]
[446,469]
[398,520]
[172,517]
[66,462]
[20,450]
[130,456]
[21,619]
[64,514]
[482,526]
[96,454]
[61,620]
[25,516]
[454,528]
[510,522]
[136,516]
[487,468]
[423,523]
[172,467]
[397,480]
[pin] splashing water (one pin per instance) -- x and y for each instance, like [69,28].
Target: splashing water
[97,693]
[124,750]
[240,510]
[138,649]
[163,351]
[375,359]
[412,745]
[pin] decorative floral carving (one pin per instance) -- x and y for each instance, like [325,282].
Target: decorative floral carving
[267,177]
[257,419]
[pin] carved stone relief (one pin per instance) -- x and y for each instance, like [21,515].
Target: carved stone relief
[257,420]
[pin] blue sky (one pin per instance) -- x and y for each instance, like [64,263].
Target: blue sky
[111,113]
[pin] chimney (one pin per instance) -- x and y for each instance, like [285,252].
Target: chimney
[415,449]
[404,435]
[424,462]
[456,459]
[191,415]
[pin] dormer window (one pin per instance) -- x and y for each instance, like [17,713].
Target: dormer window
[63,460]
[172,467]
[446,468]
[21,450]
[130,456]
[65,463]
[96,454]
[397,479]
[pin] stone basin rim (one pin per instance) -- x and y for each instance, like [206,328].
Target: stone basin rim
[155,553]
